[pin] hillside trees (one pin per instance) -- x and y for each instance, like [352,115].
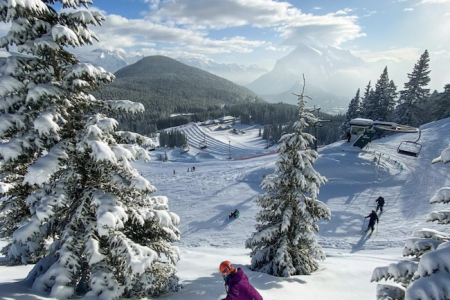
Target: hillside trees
[353,112]
[284,243]
[72,203]
[409,110]
[440,104]
[427,275]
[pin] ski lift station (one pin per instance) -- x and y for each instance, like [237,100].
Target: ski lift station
[364,130]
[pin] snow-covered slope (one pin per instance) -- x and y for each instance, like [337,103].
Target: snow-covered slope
[204,198]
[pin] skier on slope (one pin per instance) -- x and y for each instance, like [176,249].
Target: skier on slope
[234,214]
[236,283]
[380,204]
[373,217]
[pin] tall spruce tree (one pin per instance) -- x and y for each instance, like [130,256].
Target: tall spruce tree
[284,243]
[367,102]
[409,110]
[352,113]
[72,202]
[384,97]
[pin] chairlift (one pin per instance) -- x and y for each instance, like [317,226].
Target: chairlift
[411,148]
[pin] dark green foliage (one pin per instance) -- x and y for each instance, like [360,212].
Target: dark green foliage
[410,105]
[165,86]
[172,138]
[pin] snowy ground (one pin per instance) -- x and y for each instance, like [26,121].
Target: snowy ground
[204,198]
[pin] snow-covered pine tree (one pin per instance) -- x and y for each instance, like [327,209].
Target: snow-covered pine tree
[73,203]
[427,275]
[352,113]
[284,243]
[409,109]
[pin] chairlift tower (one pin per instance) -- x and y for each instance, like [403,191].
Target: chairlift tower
[318,123]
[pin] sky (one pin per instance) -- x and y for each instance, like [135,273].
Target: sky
[387,32]
[204,198]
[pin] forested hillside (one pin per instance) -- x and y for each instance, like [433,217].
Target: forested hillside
[165,86]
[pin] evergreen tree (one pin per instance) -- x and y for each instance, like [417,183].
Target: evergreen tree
[284,243]
[385,93]
[409,110]
[441,104]
[427,275]
[365,102]
[65,170]
[352,113]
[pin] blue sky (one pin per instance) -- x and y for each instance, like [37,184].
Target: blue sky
[386,32]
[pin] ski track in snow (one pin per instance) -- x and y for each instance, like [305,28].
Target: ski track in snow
[204,198]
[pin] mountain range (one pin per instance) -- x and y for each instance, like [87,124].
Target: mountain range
[166,86]
[113,61]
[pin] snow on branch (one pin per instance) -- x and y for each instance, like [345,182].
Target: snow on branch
[125,105]
[441,196]
[83,16]
[88,72]
[444,157]
[132,137]
[13,148]
[5,187]
[110,214]
[34,6]
[41,90]
[390,292]
[64,35]
[9,84]
[45,125]
[7,121]
[43,169]
[441,217]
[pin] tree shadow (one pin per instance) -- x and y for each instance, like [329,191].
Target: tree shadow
[18,290]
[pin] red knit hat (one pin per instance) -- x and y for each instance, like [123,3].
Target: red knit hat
[226,268]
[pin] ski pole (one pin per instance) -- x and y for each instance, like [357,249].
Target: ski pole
[362,228]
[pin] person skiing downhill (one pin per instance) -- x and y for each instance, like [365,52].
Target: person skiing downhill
[373,217]
[380,204]
[236,283]
[234,214]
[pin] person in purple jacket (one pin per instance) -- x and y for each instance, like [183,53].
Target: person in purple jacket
[239,288]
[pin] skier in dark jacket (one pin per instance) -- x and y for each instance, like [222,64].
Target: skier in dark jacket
[239,288]
[234,214]
[380,204]
[373,217]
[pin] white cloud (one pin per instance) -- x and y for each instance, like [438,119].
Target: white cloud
[433,1]
[408,9]
[393,55]
[290,22]
[370,13]
[317,8]
[120,32]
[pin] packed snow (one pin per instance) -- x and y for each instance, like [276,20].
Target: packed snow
[203,199]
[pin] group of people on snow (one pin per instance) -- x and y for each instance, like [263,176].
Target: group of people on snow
[237,284]
[373,215]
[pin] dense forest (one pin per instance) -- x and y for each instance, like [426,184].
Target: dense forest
[414,105]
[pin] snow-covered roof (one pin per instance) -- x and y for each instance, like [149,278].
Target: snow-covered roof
[361,122]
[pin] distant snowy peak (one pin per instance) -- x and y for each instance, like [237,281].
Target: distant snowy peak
[239,74]
[109,60]
[322,66]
